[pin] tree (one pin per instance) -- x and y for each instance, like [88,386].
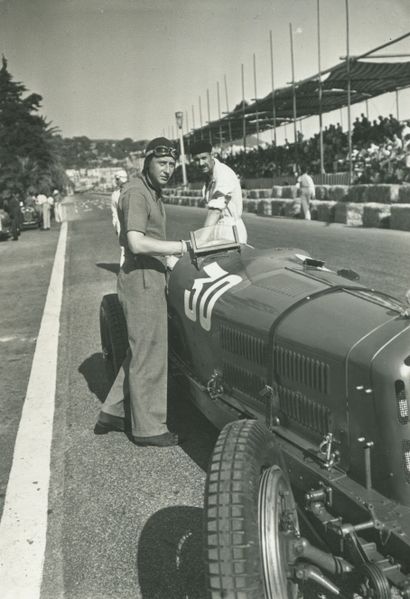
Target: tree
[29,148]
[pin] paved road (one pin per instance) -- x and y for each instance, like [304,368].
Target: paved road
[126,522]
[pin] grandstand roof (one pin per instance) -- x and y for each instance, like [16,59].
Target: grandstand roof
[368,80]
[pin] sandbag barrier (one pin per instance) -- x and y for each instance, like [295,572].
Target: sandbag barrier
[380,206]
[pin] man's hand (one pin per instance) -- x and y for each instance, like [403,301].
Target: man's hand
[171,261]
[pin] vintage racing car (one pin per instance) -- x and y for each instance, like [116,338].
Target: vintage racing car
[307,373]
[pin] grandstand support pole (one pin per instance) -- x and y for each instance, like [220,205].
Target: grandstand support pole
[179,117]
[294,96]
[322,158]
[349,84]
[243,116]
[193,117]
[200,113]
[218,97]
[256,98]
[367,109]
[209,116]
[227,112]
[397,105]
[273,87]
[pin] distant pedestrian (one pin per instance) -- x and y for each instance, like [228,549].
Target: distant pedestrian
[222,190]
[40,199]
[307,191]
[120,178]
[58,214]
[44,205]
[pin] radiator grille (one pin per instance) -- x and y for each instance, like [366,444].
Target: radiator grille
[305,411]
[241,379]
[301,369]
[243,344]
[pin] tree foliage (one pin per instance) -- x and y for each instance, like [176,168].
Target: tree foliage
[82,152]
[29,146]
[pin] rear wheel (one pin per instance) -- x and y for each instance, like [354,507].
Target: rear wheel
[251,519]
[113,331]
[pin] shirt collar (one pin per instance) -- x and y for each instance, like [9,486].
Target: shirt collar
[156,192]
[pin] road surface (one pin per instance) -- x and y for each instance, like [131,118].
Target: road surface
[121,522]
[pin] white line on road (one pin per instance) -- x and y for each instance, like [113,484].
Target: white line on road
[23,527]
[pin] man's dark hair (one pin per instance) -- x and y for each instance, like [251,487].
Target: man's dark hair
[201,147]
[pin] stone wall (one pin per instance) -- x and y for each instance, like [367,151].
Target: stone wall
[385,206]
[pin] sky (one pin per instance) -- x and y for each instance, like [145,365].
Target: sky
[122,68]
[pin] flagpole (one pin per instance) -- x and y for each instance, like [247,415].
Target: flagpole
[273,88]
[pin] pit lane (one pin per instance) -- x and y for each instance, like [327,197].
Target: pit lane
[124,521]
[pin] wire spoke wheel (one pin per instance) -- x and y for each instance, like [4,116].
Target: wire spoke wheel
[278,525]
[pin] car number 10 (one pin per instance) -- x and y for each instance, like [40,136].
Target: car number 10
[200,300]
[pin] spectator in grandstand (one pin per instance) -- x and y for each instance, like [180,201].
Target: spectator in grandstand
[405,130]
[406,149]
[307,191]
[397,144]
[140,388]
[120,178]
[222,190]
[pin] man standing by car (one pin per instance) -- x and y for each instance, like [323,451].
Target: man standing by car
[141,289]
[222,190]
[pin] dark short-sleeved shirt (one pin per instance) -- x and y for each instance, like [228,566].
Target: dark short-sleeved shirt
[140,208]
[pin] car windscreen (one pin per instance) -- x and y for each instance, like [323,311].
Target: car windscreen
[214,238]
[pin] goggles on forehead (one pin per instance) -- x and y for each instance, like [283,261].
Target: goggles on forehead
[163,151]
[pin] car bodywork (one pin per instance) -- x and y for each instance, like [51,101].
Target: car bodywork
[274,335]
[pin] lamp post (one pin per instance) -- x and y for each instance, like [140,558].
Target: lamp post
[179,117]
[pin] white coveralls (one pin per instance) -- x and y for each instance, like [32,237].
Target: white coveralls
[223,192]
[307,193]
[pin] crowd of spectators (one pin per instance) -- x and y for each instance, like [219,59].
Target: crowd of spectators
[380,153]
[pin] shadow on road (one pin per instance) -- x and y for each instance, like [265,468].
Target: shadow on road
[93,370]
[113,267]
[197,433]
[170,563]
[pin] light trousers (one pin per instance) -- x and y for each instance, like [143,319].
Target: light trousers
[140,389]
[305,197]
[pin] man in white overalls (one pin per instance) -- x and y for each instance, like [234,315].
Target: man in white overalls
[222,190]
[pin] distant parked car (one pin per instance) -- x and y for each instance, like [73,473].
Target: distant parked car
[30,218]
[5,225]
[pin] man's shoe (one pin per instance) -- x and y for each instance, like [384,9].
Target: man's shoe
[165,440]
[106,424]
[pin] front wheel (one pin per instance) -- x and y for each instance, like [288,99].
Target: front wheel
[251,518]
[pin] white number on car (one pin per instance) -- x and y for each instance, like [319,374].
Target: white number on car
[200,301]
